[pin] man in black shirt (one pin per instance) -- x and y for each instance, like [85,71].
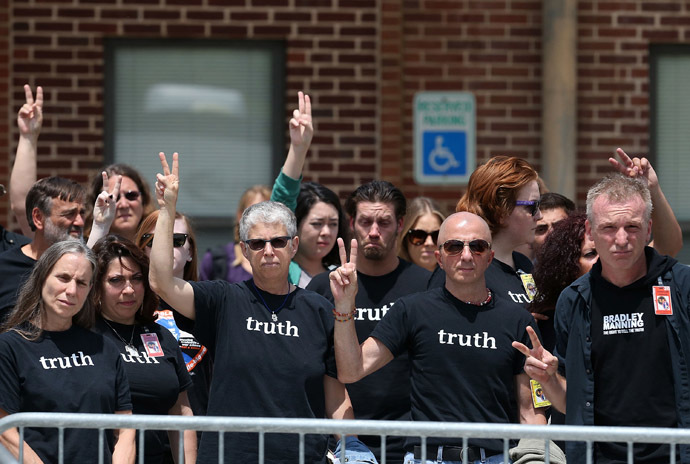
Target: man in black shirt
[376,211]
[55,211]
[463,367]
[616,347]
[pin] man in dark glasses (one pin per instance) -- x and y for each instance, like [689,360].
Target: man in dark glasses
[459,338]
[376,211]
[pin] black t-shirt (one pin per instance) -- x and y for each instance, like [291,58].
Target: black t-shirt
[71,371]
[15,268]
[264,368]
[155,382]
[196,356]
[9,239]
[633,376]
[500,278]
[385,394]
[463,364]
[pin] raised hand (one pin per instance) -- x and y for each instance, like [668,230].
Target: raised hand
[30,116]
[168,183]
[106,202]
[635,167]
[539,363]
[301,127]
[344,278]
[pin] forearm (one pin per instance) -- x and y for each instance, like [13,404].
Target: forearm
[161,258]
[183,408]
[555,391]
[348,352]
[124,451]
[294,163]
[10,440]
[22,178]
[666,232]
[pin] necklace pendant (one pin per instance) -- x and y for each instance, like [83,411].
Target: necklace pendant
[274,317]
[131,350]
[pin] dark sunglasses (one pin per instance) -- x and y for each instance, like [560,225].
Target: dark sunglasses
[531,205]
[455,247]
[178,239]
[132,195]
[258,244]
[417,237]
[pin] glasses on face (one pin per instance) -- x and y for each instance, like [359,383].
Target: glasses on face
[417,237]
[258,244]
[178,239]
[531,205]
[455,247]
[132,195]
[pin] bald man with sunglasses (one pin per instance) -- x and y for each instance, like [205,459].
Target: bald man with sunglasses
[463,367]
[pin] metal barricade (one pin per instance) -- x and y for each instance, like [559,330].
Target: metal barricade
[302,427]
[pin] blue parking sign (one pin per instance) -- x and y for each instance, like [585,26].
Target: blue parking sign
[444,137]
[445,153]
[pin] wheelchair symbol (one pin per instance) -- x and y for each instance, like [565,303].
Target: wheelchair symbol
[441,159]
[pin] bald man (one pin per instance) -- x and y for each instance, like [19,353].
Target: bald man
[463,367]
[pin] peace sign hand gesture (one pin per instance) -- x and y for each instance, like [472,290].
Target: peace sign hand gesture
[106,202]
[301,127]
[539,363]
[30,116]
[168,183]
[344,278]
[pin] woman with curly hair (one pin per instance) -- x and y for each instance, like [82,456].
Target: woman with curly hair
[565,255]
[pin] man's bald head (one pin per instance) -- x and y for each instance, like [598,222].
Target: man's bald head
[463,221]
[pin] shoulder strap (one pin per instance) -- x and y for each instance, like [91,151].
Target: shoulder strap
[220,262]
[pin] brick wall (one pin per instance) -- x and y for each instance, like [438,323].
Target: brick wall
[362,61]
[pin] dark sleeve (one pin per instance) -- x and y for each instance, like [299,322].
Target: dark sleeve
[564,309]
[209,301]
[519,359]
[124,400]
[394,328]
[10,390]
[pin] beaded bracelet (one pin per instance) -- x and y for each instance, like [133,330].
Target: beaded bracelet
[343,317]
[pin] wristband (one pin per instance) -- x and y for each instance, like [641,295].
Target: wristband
[343,317]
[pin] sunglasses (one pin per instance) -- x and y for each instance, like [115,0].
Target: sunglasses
[455,247]
[531,205]
[132,195]
[417,237]
[178,239]
[258,244]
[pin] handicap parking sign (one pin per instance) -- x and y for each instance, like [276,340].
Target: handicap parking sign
[444,137]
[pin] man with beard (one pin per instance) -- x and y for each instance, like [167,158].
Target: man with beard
[55,211]
[376,211]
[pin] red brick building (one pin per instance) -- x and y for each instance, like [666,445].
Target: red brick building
[362,62]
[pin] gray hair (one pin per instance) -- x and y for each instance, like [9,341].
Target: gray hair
[619,188]
[29,307]
[267,212]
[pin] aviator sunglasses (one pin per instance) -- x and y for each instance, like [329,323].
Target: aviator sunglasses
[531,205]
[417,237]
[258,244]
[178,239]
[455,247]
[132,195]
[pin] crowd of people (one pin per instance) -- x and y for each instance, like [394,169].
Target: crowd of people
[515,308]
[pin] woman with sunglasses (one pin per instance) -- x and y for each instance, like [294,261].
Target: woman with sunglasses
[271,341]
[185,267]
[158,377]
[419,237]
[505,193]
[132,203]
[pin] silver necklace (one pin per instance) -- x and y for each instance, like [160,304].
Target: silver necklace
[274,316]
[129,347]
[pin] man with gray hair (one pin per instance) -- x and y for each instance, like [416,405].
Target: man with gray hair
[615,344]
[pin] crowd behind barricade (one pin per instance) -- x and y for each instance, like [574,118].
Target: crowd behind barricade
[516,308]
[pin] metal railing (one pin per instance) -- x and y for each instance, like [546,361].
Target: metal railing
[302,427]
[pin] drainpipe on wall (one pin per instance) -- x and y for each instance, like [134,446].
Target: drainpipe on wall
[559,96]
